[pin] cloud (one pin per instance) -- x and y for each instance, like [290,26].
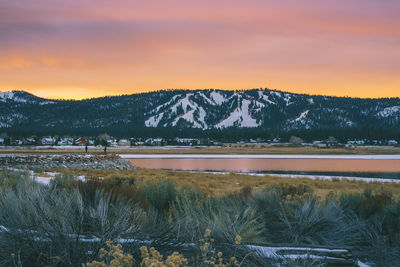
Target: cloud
[156,44]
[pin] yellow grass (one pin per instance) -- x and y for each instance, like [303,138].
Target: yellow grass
[221,184]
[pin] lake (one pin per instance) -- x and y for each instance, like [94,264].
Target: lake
[248,163]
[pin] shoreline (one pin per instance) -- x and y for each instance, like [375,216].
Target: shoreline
[229,149]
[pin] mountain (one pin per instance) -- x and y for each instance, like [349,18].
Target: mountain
[202,109]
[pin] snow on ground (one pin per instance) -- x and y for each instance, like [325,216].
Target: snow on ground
[362,264]
[308,176]
[41,180]
[272,252]
[50,175]
[330,178]
[20,155]
[268,252]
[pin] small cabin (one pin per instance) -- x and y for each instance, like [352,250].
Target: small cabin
[81,141]
[124,142]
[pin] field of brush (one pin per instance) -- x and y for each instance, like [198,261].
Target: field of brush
[194,219]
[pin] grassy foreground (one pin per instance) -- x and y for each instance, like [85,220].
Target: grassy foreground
[68,222]
[218,185]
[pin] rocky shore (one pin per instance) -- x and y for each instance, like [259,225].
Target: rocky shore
[68,161]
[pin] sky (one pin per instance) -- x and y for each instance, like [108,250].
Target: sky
[89,48]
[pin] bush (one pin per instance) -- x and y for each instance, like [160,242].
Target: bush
[11,179]
[287,190]
[63,182]
[67,222]
[43,223]
[161,195]
[120,181]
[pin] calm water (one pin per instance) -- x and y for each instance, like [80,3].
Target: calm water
[272,164]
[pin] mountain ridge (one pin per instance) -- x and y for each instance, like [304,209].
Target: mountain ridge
[188,90]
[201,109]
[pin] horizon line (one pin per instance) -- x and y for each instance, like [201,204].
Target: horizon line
[199,89]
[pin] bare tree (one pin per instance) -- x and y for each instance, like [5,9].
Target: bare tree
[103,138]
[295,140]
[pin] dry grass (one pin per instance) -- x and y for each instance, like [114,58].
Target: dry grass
[233,149]
[222,184]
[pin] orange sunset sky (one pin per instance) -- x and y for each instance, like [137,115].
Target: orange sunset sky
[78,49]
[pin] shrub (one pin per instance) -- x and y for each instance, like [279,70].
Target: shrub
[43,223]
[37,169]
[161,195]
[112,256]
[318,223]
[63,182]
[12,179]
[120,181]
[288,190]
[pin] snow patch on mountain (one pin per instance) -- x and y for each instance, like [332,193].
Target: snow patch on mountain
[192,113]
[153,121]
[301,117]
[4,96]
[157,109]
[265,97]
[209,101]
[240,117]
[218,98]
[389,111]
[287,99]
[189,117]
[4,125]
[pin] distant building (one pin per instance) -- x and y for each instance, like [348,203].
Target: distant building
[48,141]
[392,142]
[124,142]
[30,141]
[187,141]
[18,142]
[66,141]
[112,142]
[81,141]
[276,140]
[139,143]
[350,146]
[154,141]
[356,142]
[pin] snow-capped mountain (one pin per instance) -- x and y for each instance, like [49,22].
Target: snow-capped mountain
[202,109]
